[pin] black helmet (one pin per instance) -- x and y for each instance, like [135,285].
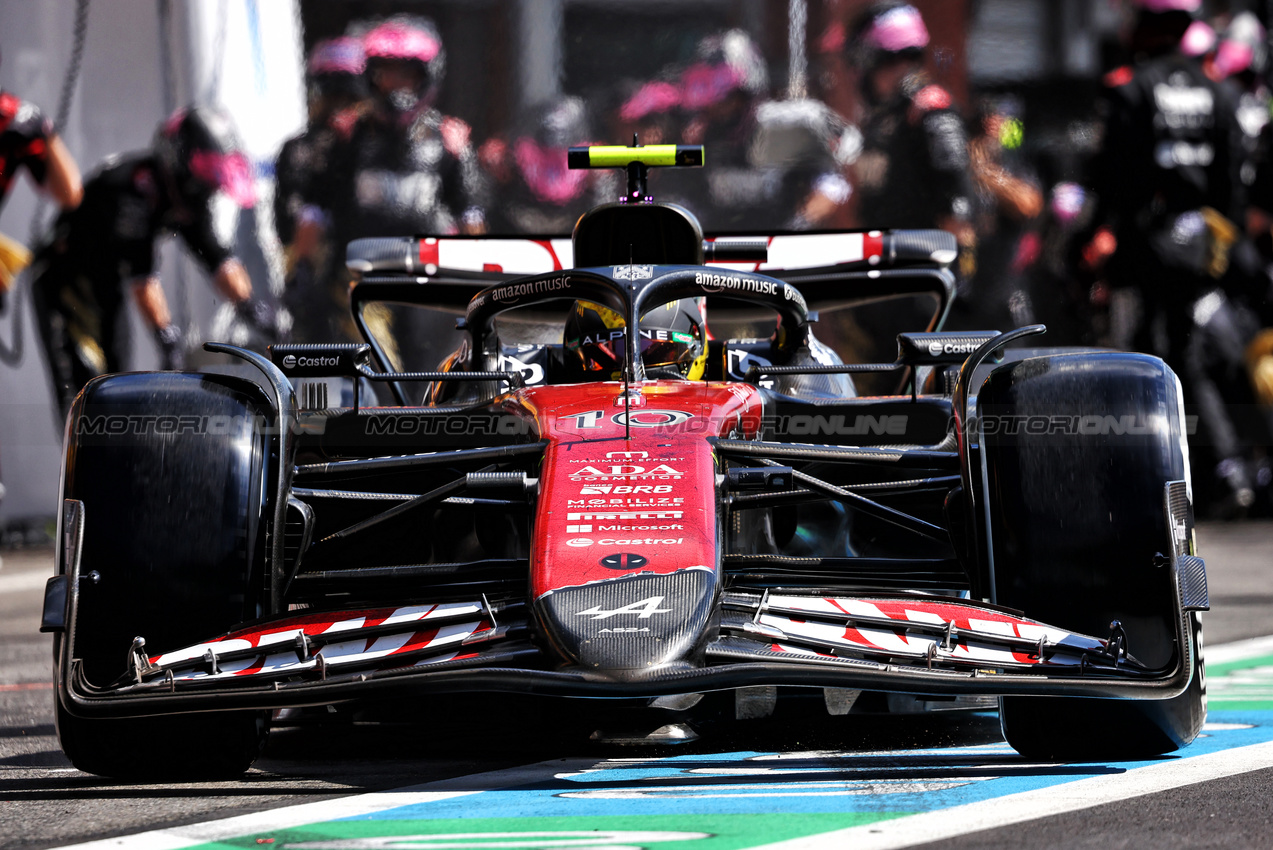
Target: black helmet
[198,149]
[886,31]
[407,40]
[672,338]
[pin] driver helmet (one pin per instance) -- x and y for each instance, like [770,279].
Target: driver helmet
[672,339]
[727,62]
[198,150]
[407,42]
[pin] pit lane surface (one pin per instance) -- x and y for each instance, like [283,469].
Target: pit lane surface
[793,781]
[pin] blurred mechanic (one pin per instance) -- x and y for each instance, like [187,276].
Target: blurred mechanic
[770,165]
[411,168]
[1241,61]
[106,247]
[537,193]
[651,112]
[317,294]
[29,140]
[914,169]
[1170,196]
[1007,204]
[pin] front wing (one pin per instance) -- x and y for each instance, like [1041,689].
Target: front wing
[905,643]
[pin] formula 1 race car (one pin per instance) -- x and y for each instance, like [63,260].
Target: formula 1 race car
[595,497]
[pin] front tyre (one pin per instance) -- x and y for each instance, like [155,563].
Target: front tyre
[172,471]
[1065,728]
[163,749]
[1079,449]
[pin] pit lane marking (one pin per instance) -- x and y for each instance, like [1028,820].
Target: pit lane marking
[420,805]
[272,820]
[1237,651]
[1044,802]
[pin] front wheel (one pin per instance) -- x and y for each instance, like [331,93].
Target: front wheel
[171,470]
[1079,450]
[171,748]
[1076,729]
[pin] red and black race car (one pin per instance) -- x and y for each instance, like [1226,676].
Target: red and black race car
[596,497]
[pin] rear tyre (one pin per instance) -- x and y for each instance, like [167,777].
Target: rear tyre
[1078,451]
[171,469]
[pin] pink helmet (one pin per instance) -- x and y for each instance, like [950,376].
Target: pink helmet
[651,98]
[337,56]
[1161,6]
[727,62]
[400,38]
[1199,39]
[1241,43]
[408,38]
[896,29]
[885,31]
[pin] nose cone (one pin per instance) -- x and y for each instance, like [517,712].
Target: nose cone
[631,626]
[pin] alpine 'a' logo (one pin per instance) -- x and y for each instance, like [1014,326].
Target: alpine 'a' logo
[623,561]
[645,609]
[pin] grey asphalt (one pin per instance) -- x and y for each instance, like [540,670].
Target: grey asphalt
[44,802]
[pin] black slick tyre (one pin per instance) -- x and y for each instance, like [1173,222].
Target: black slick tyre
[1078,451]
[172,471]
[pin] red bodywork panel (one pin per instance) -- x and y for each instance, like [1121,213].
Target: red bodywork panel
[647,490]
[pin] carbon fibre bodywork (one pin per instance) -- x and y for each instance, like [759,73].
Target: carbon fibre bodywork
[633,572]
[645,536]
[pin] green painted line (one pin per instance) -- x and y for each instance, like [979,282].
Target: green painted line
[713,832]
[1241,685]
[1241,664]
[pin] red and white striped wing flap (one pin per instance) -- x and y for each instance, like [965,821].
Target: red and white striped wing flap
[968,623]
[278,641]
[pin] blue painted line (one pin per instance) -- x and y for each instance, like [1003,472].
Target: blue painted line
[772,783]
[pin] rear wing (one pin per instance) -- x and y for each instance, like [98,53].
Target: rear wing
[830,269]
[498,258]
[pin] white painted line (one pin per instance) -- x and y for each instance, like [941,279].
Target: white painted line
[1239,650]
[1040,803]
[902,832]
[271,820]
